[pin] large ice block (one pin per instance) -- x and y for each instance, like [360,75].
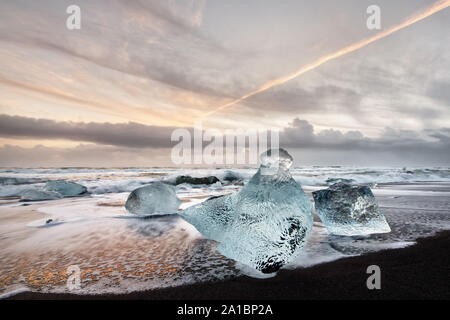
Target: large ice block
[156,198]
[349,210]
[265,224]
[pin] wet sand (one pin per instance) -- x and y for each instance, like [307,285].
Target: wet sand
[417,272]
[132,255]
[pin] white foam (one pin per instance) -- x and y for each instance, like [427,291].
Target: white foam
[100,181]
[317,250]
[413,193]
[13,292]
[253,273]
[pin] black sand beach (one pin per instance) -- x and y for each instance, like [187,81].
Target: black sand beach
[417,272]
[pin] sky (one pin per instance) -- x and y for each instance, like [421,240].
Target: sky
[112,92]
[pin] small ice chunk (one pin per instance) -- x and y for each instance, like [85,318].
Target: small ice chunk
[276,158]
[65,188]
[156,198]
[39,195]
[265,224]
[349,210]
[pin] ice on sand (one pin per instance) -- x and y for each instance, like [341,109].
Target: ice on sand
[156,198]
[65,188]
[349,210]
[39,195]
[265,224]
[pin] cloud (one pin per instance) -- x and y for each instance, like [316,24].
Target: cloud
[191,11]
[439,91]
[82,156]
[292,99]
[131,134]
[154,40]
[133,138]
[301,134]
[217,51]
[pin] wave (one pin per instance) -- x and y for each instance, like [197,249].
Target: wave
[13,182]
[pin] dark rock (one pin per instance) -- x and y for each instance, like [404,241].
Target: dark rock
[193,180]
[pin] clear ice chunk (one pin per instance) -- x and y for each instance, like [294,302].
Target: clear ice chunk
[39,195]
[349,210]
[265,224]
[65,188]
[155,199]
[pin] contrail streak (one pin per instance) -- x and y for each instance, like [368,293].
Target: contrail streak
[436,7]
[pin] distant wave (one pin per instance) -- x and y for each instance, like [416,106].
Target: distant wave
[13,182]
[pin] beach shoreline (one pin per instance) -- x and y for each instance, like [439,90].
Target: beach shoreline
[416,272]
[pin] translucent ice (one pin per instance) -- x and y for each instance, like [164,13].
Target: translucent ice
[265,224]
[39,195]
[349,210]
[65,188]
[156,198]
